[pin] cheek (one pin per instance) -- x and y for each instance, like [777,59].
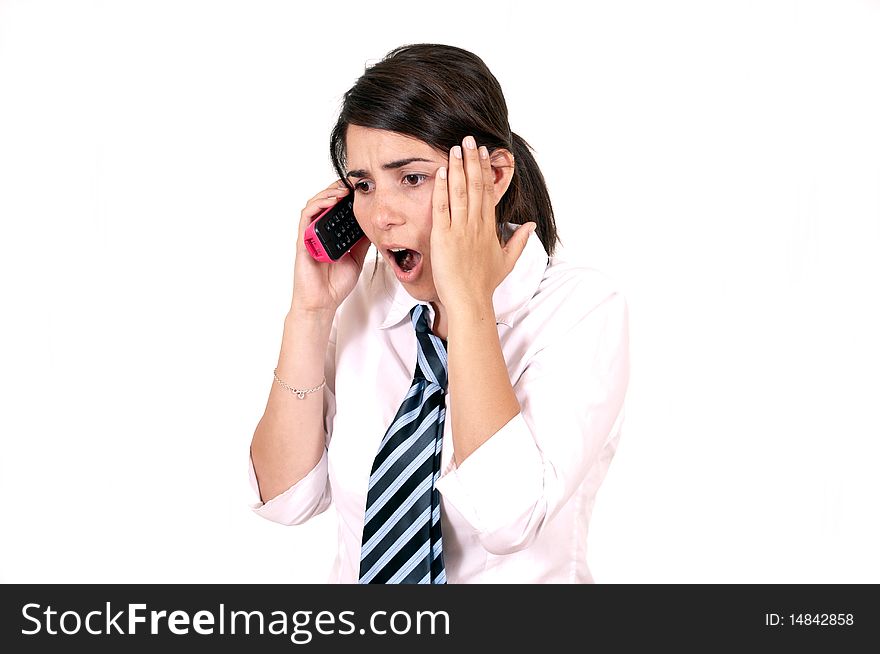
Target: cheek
[428,216]
[361,210]
[427,206]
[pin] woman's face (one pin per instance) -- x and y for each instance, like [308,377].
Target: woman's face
[393,177]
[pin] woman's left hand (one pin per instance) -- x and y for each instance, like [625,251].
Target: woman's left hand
[467,261]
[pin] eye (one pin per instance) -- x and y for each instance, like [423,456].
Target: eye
[362,186]
[414,179]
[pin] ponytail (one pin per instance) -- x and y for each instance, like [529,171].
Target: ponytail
[527,198]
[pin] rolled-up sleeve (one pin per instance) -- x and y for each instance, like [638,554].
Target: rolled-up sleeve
[571,396]
[306,498]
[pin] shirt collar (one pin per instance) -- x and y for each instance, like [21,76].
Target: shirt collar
[509,299]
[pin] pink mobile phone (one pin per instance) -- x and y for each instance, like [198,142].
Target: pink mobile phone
[334,232]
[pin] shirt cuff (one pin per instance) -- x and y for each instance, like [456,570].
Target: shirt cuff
[306,498]
[498,500]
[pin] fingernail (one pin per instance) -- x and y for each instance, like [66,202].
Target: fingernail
[441,173]
[456,151]
[469,142]
[484,152]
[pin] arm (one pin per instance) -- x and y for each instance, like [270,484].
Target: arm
[479,384]
[289,440]
[468,263]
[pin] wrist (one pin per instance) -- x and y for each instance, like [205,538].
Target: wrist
[306,328]
[314,317]
[303,346]
[471,308]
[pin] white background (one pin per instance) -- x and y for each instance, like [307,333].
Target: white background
[720,159]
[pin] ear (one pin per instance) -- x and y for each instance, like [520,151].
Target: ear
[503,166]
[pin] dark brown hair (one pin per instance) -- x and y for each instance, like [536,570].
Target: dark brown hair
[439,94]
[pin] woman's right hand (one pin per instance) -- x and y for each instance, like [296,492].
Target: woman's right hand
[319,286]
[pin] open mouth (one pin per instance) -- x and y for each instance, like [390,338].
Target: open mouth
[406,259]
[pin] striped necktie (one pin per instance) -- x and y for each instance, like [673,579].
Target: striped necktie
[401,542]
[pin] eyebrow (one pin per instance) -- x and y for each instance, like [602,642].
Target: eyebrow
[400,163]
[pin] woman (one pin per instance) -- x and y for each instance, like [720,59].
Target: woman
[459,399]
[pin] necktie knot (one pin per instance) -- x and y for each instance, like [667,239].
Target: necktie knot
[431,361]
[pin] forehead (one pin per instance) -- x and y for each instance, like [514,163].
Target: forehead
[365,146]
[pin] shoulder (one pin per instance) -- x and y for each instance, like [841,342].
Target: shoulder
[576,320]
[573,306]
[576,290]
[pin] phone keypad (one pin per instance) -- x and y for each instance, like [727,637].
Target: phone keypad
[340,230]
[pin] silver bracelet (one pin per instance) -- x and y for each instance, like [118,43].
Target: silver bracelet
[299,392]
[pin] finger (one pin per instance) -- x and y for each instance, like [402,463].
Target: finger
[316,205]
[334,190]
[517,243]
[440,199]
[313,209]
[488,208]
[458,195]
[474,174]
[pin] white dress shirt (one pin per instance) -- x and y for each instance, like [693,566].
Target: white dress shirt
[517,510]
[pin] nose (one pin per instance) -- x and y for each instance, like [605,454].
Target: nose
[383,212]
